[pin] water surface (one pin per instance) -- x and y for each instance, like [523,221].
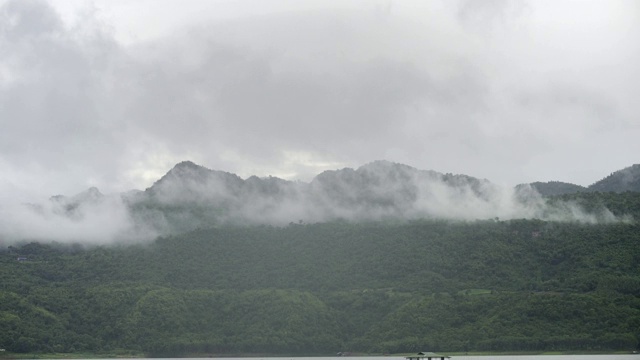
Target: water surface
[460,357]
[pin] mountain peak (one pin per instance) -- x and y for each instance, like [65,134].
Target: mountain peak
[186,165]
[91,192]
[186,169]
[384,165]
[187,180]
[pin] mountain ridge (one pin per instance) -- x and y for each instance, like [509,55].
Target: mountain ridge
[626,179]
[191,196]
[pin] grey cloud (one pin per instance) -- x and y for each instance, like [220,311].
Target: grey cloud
[237,98]
[54,103]
[29,18]
[485,14]
[442,88]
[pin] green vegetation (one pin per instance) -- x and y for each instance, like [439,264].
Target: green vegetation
[622,205]
[554,188]
[520,285]
[626,180]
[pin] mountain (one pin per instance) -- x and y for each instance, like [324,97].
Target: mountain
[190,196]
[401,274]
[392,188]
[627,179]
[188,182]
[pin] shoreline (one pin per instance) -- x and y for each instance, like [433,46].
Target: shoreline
[136,355]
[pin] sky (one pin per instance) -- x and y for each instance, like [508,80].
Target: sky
[113,93]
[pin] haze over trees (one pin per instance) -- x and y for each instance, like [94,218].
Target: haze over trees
[365,260]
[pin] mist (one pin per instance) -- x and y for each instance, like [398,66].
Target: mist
[192,197]
[88,218]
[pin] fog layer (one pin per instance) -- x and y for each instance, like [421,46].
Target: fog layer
[190,196]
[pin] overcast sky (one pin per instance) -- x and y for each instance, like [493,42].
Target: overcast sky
[113,93]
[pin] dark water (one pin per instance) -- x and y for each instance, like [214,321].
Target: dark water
[460,357]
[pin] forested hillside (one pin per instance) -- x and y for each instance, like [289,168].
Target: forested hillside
[553,188]
[627,179]
[322,288]
[624,180]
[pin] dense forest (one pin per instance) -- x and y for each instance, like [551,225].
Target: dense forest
[376,287]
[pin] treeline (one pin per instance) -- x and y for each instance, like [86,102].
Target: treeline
[323,288]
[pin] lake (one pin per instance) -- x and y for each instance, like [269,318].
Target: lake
[461,357]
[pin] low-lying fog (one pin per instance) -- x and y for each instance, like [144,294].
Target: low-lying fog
[190,196]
